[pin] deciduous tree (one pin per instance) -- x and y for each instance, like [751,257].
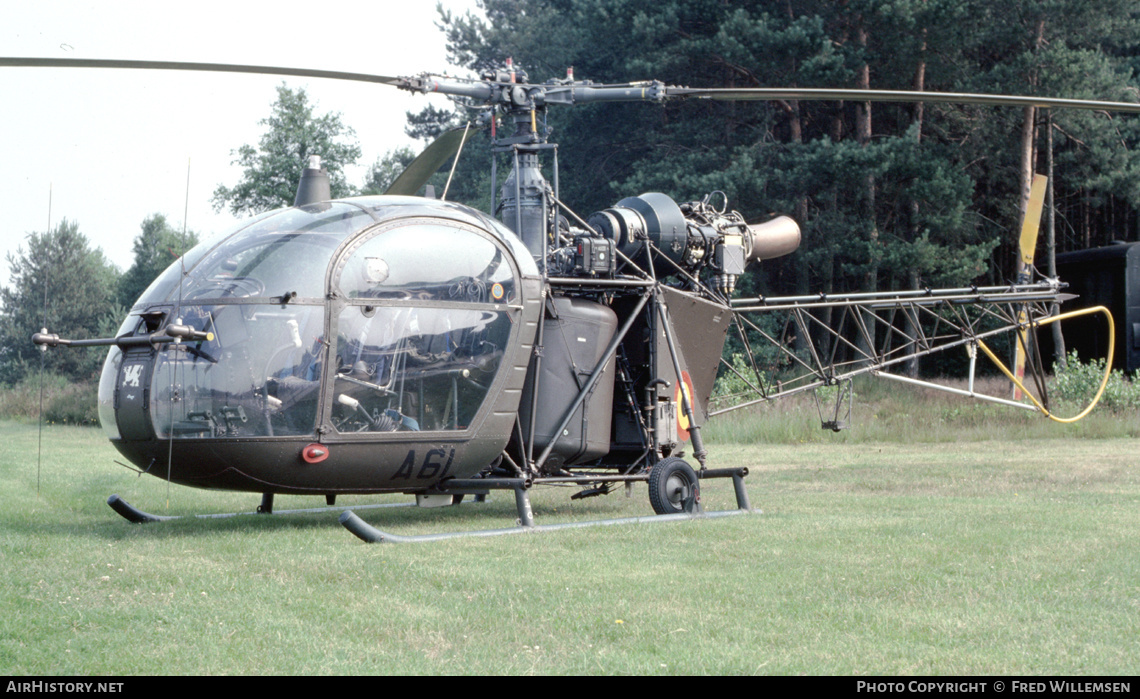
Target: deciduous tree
[386,169]
[272,170]
[60,283]
[155,248]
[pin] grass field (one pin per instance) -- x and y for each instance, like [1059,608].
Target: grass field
[1001,556]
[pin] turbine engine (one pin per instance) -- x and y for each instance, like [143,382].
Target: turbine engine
[695,236]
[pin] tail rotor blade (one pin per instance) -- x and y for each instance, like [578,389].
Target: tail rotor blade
[1030,225]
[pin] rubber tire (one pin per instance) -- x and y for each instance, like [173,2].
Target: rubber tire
[674,487]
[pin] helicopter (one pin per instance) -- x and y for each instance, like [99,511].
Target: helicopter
[408,344]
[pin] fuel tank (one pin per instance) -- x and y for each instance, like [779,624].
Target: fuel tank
[575,334]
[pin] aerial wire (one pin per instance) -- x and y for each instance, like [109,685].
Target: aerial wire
[186,207]
[455,162]
[43,357]
[181,278]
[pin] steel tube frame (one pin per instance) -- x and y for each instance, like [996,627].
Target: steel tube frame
[963,327]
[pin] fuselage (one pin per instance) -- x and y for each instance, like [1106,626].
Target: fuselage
[362,345]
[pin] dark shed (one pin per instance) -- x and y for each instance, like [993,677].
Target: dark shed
[1110,277]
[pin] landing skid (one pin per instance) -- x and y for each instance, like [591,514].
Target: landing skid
[692,511]
[372,535]
[136,516]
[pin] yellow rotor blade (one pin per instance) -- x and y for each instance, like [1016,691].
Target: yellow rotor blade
[1032,223]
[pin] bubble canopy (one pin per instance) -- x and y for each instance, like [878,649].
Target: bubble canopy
[290,249]
[375,314]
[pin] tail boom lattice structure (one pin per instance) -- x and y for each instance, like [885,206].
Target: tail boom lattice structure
[824,340]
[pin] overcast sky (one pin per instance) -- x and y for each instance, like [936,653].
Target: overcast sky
[113,147]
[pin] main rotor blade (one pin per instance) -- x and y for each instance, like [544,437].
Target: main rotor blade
[205,67]
[628,93]
[427,163]
[777,93]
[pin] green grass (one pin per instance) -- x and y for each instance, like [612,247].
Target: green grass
[1017,556]
[884,411]
[64,400]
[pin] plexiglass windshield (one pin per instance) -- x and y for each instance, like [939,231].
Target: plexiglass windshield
[285,254]
[324,317]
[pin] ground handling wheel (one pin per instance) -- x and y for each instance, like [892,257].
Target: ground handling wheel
[674,487]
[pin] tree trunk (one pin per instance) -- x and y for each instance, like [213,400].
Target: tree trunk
[863,136]
[1028,142]
[910,367]
[1051,227]
[1028,139]
[803,280]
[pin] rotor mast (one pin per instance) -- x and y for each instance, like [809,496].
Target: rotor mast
[525,202]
